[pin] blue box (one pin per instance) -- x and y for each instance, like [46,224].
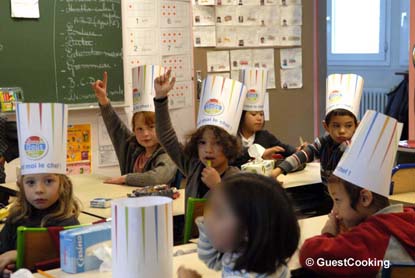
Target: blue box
[75,245]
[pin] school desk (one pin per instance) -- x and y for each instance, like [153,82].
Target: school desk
[309,227]
[310,175]
[88,187]
[407,198]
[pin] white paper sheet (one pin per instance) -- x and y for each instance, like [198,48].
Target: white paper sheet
[291,15]
[266,107]
[25,8]
[217,61]
[174,41]
[203,15]
[268,36]
[181,95]
[291,78]
[264,58]
[135,61]
[290,35]
[180,65]
[174,14]
[226,15]
[289,2]
[291,58]
[142,42]
[204,36]
[240,58]
[226,36]
[141,13]
[223,74]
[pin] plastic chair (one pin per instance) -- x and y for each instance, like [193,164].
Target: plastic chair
[403,270]
[403,179]
[195,208]
[39,247]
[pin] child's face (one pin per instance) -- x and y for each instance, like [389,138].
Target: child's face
[221,224]
[41,190]
[254,121]
[346,215]
[209,148]
[341,128]
[145,134]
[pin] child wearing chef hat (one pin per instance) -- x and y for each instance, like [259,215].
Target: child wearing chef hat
[251,127]
[45,196]
[343,94]
[142,161]
[363,226]
[205,158]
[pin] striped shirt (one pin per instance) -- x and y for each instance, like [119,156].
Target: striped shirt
[325,148]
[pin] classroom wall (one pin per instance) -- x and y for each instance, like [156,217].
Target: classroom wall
[292,112]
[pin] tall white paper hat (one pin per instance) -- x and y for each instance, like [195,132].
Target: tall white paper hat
[142,237]
[221,103]
[42,131]
[344,91]
[255,80]
[143,86]
[369,160]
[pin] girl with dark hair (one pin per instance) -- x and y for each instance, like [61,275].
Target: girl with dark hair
[249,229]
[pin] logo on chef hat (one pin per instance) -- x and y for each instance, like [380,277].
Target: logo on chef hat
[35,147]
[136,95]
[213,107]
[252,95]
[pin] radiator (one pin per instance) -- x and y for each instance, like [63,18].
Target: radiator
[373,99]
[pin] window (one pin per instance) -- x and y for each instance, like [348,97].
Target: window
[404,35]
[356,32]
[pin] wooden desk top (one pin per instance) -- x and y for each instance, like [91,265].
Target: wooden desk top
[310,175]
[309,227]
[407,198]
[88,187]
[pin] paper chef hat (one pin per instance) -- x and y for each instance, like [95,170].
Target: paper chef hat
[142,237]
[368,161]
[255,80]
[344,91]
[221,103]
[42,131]
[143,86]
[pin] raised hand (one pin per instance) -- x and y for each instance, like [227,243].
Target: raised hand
[163,84]
[100,89]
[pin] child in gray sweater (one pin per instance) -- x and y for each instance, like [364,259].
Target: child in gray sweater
[143,162]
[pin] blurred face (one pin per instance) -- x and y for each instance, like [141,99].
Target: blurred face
[253,121]
[341,205]
[341,128]
[41,190]
[209,148]
[221,224]
[145,134]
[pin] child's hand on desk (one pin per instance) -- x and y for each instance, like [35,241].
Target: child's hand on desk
[119,180]
[210,177]
[7,258]
[332,225]
[183,272]
[276,172]
[163,84]
[268,153]
[100,89]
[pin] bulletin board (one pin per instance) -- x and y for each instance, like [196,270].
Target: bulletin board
[292,111]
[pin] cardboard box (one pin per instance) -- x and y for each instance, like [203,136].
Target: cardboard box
[76,245]
[263,167]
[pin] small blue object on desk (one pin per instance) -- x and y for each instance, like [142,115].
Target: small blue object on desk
[100,203]
[77,246]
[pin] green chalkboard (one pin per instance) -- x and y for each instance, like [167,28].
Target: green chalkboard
[55,58]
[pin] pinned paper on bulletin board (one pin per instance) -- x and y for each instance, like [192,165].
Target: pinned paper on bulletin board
[25,8]
[78,155]
[106,152]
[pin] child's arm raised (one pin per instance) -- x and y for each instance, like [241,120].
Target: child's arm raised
[117,130]
[164,129]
